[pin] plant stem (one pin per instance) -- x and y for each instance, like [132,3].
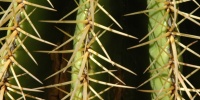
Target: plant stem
[159,51]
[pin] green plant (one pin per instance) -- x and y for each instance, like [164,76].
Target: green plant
[82,61]
[15,55]
[85,57]
[167,80]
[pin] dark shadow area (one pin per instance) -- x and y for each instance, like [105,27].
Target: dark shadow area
[190,27]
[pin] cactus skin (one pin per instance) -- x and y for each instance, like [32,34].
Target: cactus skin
[163,51]
[81,15]
[155,49]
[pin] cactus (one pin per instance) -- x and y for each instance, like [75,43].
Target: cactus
[89,56]
[83,61]
[166,77]
[15,54]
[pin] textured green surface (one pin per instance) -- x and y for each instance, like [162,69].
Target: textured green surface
[157,50]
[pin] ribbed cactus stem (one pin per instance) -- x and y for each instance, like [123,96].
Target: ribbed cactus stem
[80,56]
[163,52]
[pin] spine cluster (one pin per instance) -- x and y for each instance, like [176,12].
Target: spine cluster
[12,21]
